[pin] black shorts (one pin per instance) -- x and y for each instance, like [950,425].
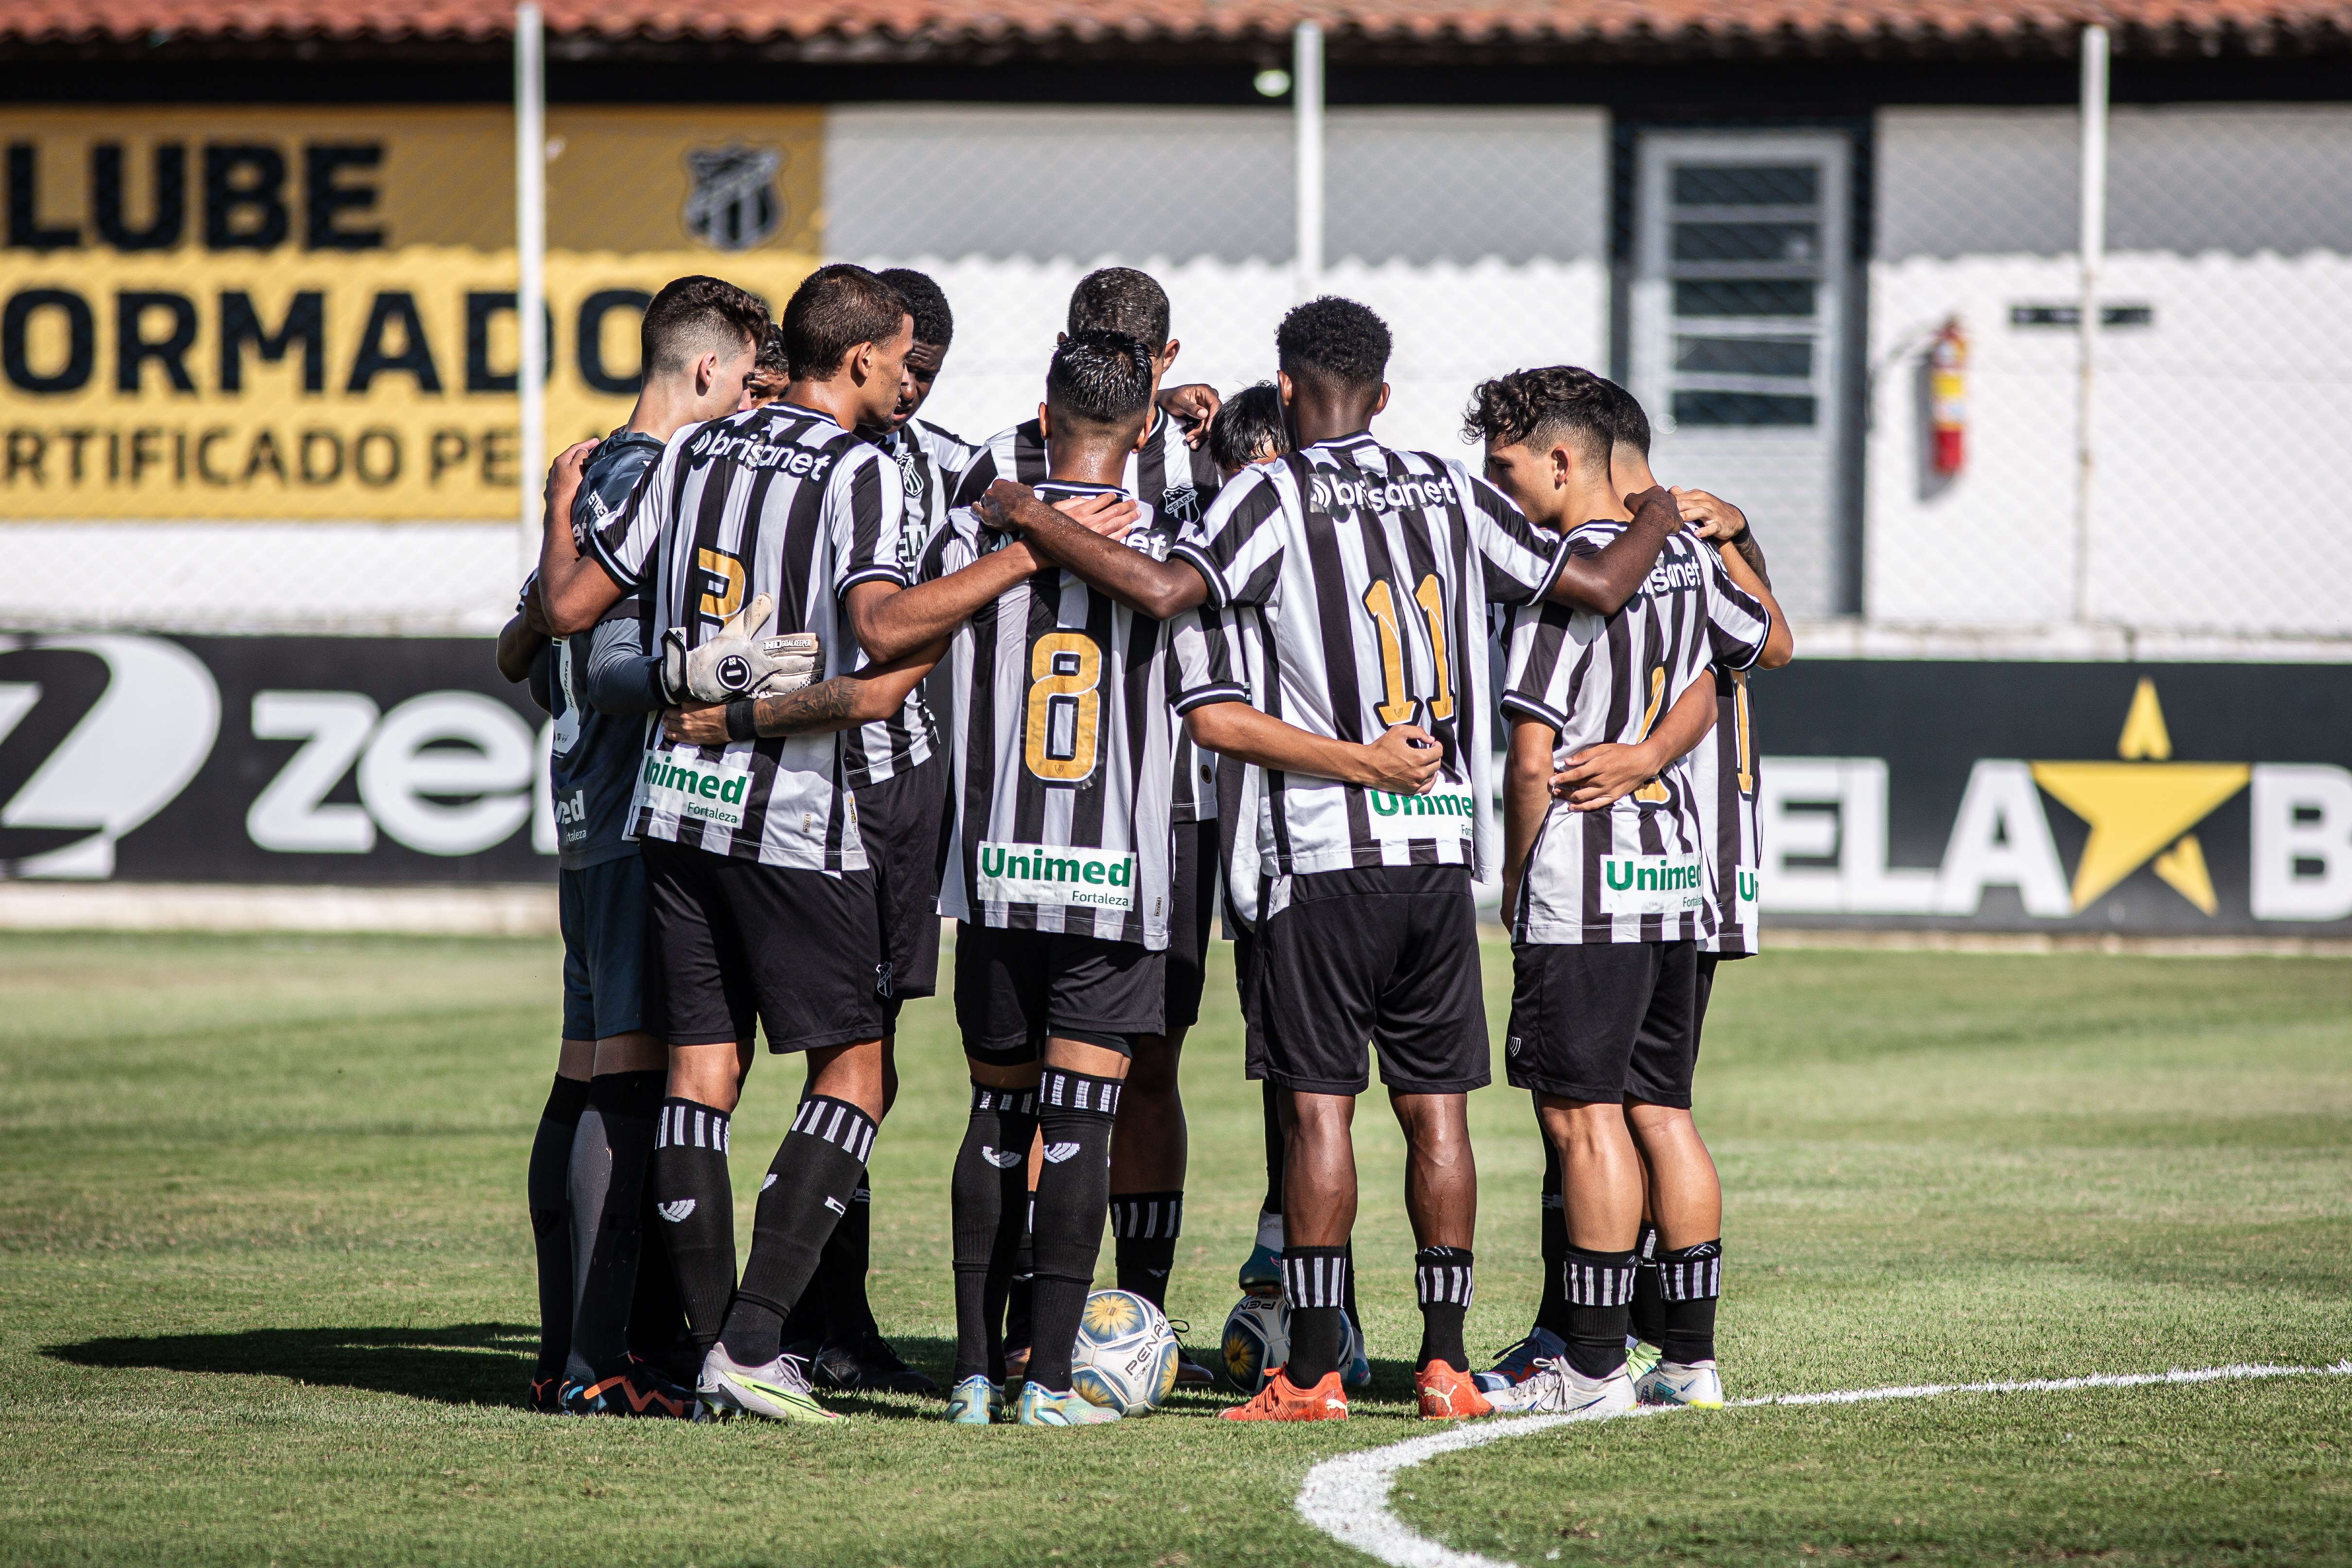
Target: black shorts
[1604,1021]
[1191,906]
[903,820]
[602,909]
[1384,954]
[1705,990]
[1013,989]
[734,940]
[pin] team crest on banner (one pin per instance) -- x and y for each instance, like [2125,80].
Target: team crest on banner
[735,204]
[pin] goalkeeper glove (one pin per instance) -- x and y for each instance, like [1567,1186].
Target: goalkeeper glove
[734,664]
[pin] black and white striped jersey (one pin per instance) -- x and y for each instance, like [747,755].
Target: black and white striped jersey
[1365,574]
[929,461]
[1179,483]
[1636,871]
[777,500]
[1722,773]
[1064,742]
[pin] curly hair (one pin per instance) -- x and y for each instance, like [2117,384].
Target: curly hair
[926,301]
[1556,404]
[1100,377]
[1120,299]
[1333,341]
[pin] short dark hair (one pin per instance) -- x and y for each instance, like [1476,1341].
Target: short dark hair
[1558,402]
[926,301]
[691,317]
[771,371]
[1626,410]
[1249,428]
[1099,378]
[1120,299]
[836,309]
[1333,341]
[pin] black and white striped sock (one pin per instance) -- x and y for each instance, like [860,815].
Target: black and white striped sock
[1690,1281]
[817,1167]
[1314,1281]
[1442,1283]
[1144,1227]
[1600,1290]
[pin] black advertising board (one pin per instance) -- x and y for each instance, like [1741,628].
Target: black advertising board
[2150,799]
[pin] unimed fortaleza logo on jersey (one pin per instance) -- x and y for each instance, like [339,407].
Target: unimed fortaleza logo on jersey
[1441,811]
[734,203]
[1056,873]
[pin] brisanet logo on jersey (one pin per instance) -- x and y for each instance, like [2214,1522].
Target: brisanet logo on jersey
[1056,873]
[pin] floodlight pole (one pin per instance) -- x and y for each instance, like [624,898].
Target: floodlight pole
[1306,108]
[530,262]
[2094,253]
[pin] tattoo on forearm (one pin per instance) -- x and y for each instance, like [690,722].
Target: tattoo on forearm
[1753,554]
[827,702]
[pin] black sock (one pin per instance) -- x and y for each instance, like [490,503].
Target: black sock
[1144,1227]
[1647,1321]
[1600,1288]
[1441,1283]
[989,1212]
[696,1204]
[609,1152]
[657,1312]
[1274,1150]
[1315,1279]
[1020,1291]
[1075,1113]
[1552,1311]
[544,1184]
[841,1274]
[1690,1282]
[817,1166]
[1355,1318]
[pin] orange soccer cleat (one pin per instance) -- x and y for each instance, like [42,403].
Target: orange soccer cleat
[1281,1400]
[1447,1394]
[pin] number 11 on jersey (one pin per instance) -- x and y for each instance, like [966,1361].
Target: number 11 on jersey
[1380,604]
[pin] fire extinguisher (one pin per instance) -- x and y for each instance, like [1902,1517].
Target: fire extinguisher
[1948,396]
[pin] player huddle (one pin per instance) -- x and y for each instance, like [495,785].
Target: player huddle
[822,673]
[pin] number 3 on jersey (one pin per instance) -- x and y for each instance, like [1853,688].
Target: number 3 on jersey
[1064,706]
[1381,605]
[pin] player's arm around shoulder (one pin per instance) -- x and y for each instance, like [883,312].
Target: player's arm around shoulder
[1092,544]
[1603,580]
[1725,528]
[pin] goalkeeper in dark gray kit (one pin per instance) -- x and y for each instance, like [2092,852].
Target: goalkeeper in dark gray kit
[612,1339]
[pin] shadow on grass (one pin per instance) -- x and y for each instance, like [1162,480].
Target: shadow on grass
[459,1363]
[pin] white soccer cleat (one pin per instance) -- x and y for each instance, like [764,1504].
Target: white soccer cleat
[1559,1389]
[1671,1382]
[778,1391]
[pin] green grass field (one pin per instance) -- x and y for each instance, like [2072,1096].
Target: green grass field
[266,1292]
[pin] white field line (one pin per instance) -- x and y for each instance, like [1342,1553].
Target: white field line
[1348,1498]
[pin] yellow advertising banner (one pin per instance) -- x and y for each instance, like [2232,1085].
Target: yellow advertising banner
[310,313]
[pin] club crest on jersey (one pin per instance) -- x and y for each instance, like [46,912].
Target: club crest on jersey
[734,203]
[1181,503]
[910,477]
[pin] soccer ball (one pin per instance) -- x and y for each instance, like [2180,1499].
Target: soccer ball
[1257,1340]
[1126,1355]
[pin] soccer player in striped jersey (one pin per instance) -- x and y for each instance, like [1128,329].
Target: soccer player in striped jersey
[589,1203]
[762,896]
[1172,470]
[1607,906]
[1059,875]
[1676,1281]
[1359,576]
[900,782]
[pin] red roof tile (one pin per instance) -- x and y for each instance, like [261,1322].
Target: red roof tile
[1706,25]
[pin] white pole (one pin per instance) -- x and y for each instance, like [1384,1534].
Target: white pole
[2094,251]
[530,263]
[1306,104]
